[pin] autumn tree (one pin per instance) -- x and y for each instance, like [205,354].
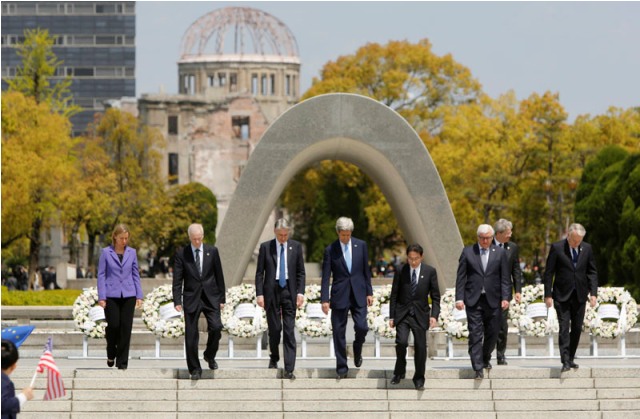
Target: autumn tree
[37,167]
[413,81]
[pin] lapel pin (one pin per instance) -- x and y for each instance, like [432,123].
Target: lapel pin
[290,248]
[207,254]
[355,245]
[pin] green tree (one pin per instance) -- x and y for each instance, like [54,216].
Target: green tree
[37,167]
[608,204]
[167,224]
[38,67]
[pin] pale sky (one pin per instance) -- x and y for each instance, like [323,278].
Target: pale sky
[588,52]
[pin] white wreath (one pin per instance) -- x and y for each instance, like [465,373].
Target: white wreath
[170,327]
[607,328]
[312,327]
[539,326]
[446,319]
[378,323]
[92,327]
[245,327]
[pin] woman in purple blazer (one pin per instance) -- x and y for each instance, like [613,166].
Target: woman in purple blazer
[119,293]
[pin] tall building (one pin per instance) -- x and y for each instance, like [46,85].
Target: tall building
[94,40]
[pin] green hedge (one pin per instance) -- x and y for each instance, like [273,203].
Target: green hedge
[39,298]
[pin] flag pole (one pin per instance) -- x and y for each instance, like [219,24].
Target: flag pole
[33,380]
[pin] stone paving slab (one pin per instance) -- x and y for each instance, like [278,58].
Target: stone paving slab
[547,405]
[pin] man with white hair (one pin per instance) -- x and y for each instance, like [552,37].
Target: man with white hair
[570,276]
[198,287]
[347,259]
[483,289]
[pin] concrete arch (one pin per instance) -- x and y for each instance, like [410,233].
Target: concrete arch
[358,130]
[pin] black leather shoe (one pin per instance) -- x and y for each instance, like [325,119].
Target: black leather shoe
[419,385]
[341,376]
[289,375]
[110,363]
[488,365]
[397,378]
[479,375]
[358,361]
[196,375]
[574,365]
[502,362]
[565,367]
[213,365]
[273,364]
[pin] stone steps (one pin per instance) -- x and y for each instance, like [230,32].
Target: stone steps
[506,392]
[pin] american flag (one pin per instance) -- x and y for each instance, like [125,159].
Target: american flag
[55,386]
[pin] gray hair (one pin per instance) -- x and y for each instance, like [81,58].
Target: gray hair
[281,223]
[578,229]
[195,228]
[502,225]
[344,224]
[485,229]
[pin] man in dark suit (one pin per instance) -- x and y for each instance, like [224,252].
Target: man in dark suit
[280,279]
[484,290]
[347,260]
[502,229]
[198,287]
[570,276]
[409,310]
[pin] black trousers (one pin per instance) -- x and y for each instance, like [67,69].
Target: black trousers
[281,319]
[484,324]
[409,323]
[192,335]
[339,318]
[119,316]
[501,344]
[570,318]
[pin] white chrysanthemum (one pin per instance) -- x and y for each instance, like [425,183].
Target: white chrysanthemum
[243,327]
[312,327]
[80,311]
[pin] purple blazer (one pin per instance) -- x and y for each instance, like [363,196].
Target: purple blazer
[118,280]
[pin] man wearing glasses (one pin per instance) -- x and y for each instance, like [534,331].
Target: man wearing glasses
[483,289]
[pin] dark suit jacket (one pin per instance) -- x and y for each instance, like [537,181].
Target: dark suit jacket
[401,300]
[471,278]
[513,261]
[117,279]
[268,264]
[359,280]
[10,403]
[189,286]
[559,264]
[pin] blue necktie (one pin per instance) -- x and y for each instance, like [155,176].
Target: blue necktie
[574,252]
[283,278]
[347,257]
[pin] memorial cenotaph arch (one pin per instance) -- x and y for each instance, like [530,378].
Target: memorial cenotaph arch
[357,130]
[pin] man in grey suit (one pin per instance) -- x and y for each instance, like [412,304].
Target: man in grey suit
[280,279]
[198,287]
[570,276]
[502,239]
[483,289]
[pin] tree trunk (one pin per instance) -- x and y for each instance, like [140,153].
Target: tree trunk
[34,249]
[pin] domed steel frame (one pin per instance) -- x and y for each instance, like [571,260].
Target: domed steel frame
[268,35]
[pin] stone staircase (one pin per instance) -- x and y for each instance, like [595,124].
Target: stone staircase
[526,391]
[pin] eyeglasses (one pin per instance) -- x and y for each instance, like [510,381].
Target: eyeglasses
[485,238]
[414,259]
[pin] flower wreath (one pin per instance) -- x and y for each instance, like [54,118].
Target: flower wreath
[169,328]
[609,328]
[526,325]
[81,307]
[243,327]
[453,327]
[312,327]
[378,323]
